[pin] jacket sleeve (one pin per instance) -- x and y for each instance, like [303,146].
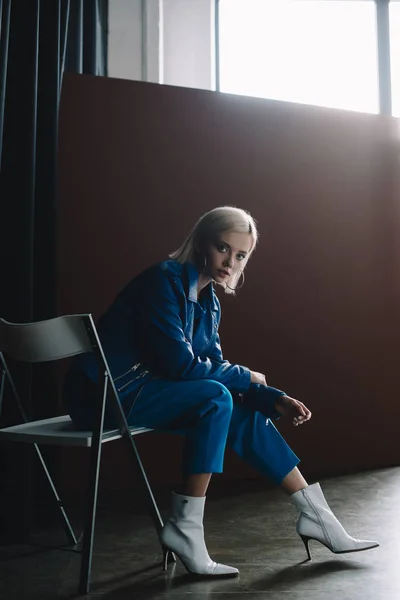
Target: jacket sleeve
[165,346]
[262,398]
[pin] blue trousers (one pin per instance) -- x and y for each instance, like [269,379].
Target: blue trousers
[204,411]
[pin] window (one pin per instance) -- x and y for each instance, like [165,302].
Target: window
[394,15]
[315,52]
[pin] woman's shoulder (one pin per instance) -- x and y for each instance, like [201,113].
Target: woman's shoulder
[163,275]
[168,268]
[172,267]
[158,280]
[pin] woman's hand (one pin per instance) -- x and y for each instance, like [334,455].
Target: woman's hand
[293,409]
[258,378]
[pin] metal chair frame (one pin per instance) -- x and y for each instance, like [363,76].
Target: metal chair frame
[40,342]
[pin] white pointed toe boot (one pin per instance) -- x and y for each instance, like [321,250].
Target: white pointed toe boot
[317,522]
[183,534]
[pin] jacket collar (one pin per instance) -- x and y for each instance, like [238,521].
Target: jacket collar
[193,278]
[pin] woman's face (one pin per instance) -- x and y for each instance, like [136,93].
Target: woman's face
[226,255]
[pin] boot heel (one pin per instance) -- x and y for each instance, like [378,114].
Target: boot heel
[168,556]
[165,559]
[306,541]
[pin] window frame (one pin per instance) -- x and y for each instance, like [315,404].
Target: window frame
[383,53]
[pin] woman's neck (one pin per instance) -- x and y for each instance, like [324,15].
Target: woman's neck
[202,282]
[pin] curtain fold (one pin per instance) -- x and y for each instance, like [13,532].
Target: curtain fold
[5,9]
[39,40]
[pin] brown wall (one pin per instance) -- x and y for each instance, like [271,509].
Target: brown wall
[139,163]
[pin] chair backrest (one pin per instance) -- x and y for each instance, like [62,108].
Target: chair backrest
[48,340]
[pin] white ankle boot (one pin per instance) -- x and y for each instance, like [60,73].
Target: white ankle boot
[317,522]
[183,534]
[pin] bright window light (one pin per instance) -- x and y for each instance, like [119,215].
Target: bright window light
[394,15]
[313,52]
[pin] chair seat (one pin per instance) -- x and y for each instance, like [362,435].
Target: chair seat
[59,431]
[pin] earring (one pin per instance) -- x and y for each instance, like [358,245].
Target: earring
[237,287]
[205,264]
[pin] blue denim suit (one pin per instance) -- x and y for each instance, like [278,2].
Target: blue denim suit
[164,353]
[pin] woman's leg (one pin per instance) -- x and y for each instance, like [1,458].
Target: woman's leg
[196,484]
[257,441]
[293,482]
[202,411]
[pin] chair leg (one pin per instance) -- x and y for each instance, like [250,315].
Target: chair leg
[5,374]
[153,507]
[91,506]
[65,521]
[90,520]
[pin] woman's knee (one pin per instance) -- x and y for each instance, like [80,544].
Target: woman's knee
[219,395]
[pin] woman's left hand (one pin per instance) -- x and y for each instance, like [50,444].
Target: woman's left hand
[293,409]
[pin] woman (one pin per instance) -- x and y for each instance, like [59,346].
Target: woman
[161,340]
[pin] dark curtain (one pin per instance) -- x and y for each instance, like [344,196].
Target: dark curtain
[39,41]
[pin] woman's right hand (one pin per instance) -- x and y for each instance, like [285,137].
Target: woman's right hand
[257,378]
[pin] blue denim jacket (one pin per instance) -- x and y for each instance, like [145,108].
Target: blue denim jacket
[156,327]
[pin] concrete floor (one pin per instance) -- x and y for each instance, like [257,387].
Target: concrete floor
[253,530]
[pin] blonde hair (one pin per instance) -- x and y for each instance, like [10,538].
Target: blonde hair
[211,225]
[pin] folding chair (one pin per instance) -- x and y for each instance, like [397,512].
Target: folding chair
[52,340]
